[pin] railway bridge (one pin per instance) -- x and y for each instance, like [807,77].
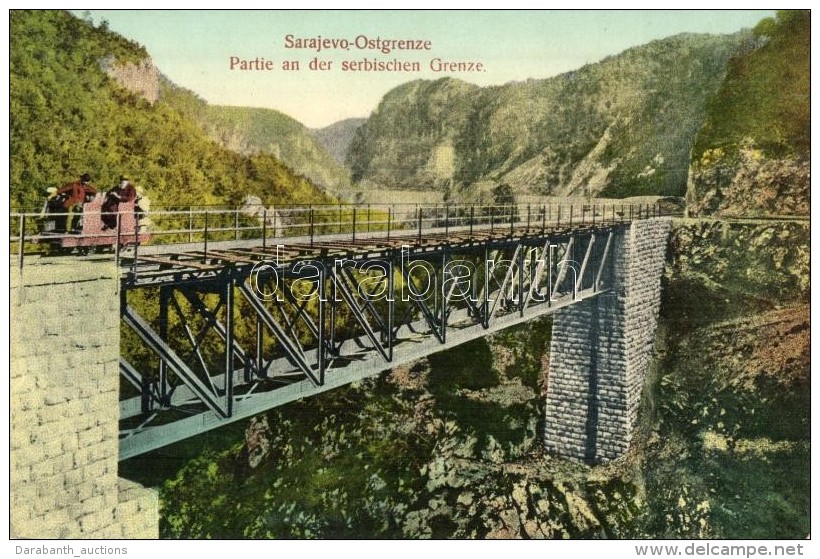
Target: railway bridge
[224,314]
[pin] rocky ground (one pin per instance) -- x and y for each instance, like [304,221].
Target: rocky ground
[750,184]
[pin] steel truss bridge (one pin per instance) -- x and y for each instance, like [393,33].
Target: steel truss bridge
[217,331]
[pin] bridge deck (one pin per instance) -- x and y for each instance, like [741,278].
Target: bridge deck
[158,264]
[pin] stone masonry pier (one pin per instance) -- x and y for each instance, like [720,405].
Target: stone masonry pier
[64,400]
[601,350]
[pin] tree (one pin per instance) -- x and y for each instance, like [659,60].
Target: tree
[503,195]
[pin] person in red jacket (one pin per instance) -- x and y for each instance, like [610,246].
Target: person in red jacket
[123,192]
[72,197]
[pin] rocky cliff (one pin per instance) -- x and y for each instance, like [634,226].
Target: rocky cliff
[622,126]
[141,78]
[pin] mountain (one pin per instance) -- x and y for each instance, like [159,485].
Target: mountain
[84,99]
[252,131]
[337,137]
[622,126]
[752,156]
[409,140]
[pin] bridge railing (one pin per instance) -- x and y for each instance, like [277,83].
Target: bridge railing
[339,222]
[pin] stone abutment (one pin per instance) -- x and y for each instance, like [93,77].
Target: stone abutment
[64,406]
[601,350]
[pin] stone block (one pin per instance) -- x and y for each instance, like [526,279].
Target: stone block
[89,436]
[126,510]
[92,522]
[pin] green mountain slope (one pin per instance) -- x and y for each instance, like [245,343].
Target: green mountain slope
[753,154]
[252,131]
[337,137]
[622,126]
[67,116]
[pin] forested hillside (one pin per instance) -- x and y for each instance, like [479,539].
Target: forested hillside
[252,131]
[67,116]
[623,126]
[753,154]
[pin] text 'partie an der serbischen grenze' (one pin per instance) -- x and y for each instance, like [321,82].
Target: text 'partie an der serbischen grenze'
[381,54]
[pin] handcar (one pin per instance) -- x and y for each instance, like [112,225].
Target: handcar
[87,232]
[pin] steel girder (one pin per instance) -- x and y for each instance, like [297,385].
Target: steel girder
[227,345]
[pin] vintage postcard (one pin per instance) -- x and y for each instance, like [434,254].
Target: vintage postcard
[410,274]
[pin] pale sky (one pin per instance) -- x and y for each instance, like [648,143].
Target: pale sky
[194,49]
